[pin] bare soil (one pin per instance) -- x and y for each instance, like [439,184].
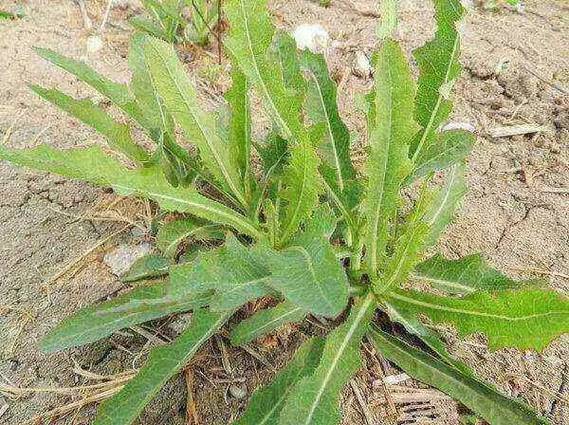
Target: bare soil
[516,71]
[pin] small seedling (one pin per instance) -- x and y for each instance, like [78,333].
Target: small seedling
[178,21]
[306,228]
[497,4]
[17,14]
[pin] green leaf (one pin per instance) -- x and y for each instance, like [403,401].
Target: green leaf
[274,155]
[163,363]
[413,325]
[301,188]
[143,109]
[117,93]
[266,404]
[240,276]
[308,273]
[148,26]
[93,165]
[148,267]
[323,223]
[99,321]
[265,321]
[407,248]
[388,22]
[170,235]
[178,165]
[249,39]
[286,55]
[322,108]
[152,115]
[10,16]
[524,319]
[438,69]
[240,125]
[482,399]
[450,147]
[236,273]
[250,35]
[85,110]
[315,399]
[166,18]
[347,201]
[387,165]
[446,203]
[180,98]
[464,276]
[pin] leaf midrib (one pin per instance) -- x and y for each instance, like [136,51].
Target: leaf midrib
[224,171]
[261,81]
[448,190]
[402,258]
[233,218]
[292,220]
[330,132]
[443,282]
[276,319]
[449,376]
[339,353]
[310,267]
[435,110]
[377,213]
[474,312]
[172,245]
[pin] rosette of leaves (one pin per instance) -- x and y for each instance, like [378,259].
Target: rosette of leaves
[178,21]
[306,228]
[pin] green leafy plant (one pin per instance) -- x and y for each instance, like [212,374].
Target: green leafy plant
[305,227]
[178,21]
[497,4]
[17,14]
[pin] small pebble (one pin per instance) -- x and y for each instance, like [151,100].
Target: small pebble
[237,391]
[137,232]
[361,67]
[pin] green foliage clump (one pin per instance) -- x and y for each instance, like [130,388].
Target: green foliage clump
[177,21]
[306,229]
[496,5]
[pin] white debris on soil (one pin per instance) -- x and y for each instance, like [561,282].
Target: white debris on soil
[396,379]
[123,257]
[94,44]
[125,4]
[459,126]
[312,37]
[361,66]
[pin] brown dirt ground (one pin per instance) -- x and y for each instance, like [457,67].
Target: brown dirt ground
[512,214]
